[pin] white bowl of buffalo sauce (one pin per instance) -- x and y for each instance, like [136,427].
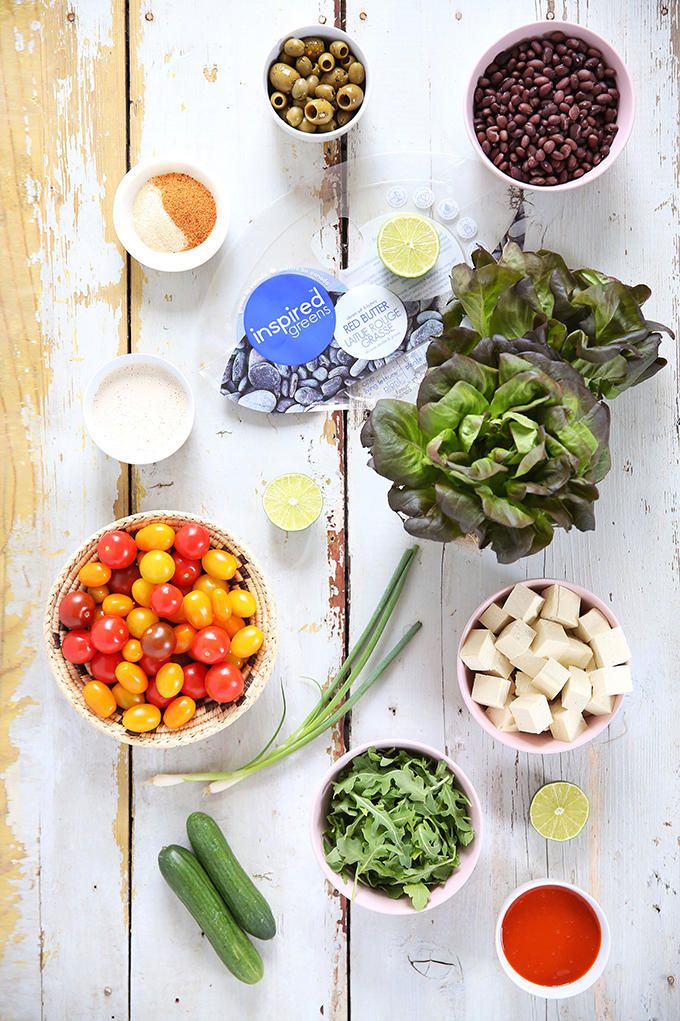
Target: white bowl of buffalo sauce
[139,409]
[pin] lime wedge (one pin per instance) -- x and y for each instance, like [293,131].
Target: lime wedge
[408,244]
[559,810]
[292,502]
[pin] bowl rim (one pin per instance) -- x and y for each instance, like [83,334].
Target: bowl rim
[624,84]
[323,32]
[545,743]
[103,440]
[124,199]
[365,896]
[571,988]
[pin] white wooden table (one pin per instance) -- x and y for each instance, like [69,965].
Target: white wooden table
[88,928]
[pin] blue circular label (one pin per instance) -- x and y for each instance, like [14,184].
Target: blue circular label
[289,318]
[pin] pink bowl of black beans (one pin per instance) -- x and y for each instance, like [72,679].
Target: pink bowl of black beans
[549,107]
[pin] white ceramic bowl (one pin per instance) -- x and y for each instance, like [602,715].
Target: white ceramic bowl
[367,897]
[570,988]
[624,83]
[329,35]
[137,433]
[124,200]
[543,744]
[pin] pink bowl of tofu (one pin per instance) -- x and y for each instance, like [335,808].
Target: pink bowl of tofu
[543,666]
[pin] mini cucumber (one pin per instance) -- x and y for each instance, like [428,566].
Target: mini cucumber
[188,879]
[245,901]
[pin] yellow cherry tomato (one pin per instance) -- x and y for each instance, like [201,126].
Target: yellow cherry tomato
[117,604]
[155,536]
[219,564]
[141,718]
[206,583]
[156,566]
[124,698]
[184,633]
[131,677]
[141,591]
[99,593]
[139,619]
[220,605]
[234,624]
[99,698]
[179,712]
[246,641]
[169,680]
[198,609]
[132,651]
[243,603]
[94,575]
[236,660]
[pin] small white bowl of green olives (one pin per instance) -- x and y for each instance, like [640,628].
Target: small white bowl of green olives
[316,83]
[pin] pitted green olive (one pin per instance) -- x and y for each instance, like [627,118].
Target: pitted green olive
[300,89]
[350,97]
[325,92]
[312,82]
[356,73]
[337,78]
[319,111]
[304,66]
[326,62]
[294,47]
[313,47]
[283,58]
[302,103]
[323,129]
[344,117]
[295,116]
[339,49]
[282,77]
[346,61]
[278,100]
[307,126]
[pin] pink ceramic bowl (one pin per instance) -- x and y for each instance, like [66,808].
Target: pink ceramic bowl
[543,744]
[626,112]
[367,897]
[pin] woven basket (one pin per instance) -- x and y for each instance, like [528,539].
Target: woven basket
[210,717]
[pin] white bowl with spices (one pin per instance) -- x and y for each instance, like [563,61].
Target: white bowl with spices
[171,213]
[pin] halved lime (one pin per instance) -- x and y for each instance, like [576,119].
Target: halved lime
[408,244]
[292,501]
[559,810]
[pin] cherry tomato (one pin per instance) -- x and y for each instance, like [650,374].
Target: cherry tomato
[224,682]
[139,619]
[208,584]
[132,651]
[103,666]
[99,593]
[180,617]
[117,605]
[123,580]
[132,677]
[192,541]
[140,719]
[220,605]
[186,571]
[166,599]
[210,645]
[237,660]
[247,641]
[151,666]
[117,550]
[219,564]
[169,680]
[198,609]
[234,624]
[157,566]
[158,641]
[184,633]
[77,609]
[98,613]
[194,680]
[124,698]
[94,575]
[242,602]
[156,536]
[153,695]
[109,634]
[179,712]
[77,646]
[99,698]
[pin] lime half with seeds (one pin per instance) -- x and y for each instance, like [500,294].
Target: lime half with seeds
[292,502]
[408,244]
[559,810]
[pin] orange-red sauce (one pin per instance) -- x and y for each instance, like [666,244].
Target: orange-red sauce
[551,935]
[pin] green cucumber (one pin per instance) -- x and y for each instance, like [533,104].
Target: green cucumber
[188,879]
[244,900]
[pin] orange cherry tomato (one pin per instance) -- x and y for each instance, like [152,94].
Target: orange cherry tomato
[198,609]
[206,583]
[99,698]
[99,593]
[132,651]
[98,612]
[185,635]
[179,712]
[139,619]
[247,641]
[169,680]
[155,536]
[117,604]
[141,591]
[178,618]
[124,698]
[236,660]
[132,677]
[234,624]
[219,564]
[220,605]
[156,566]
[94,575]
[141,718]
[243,603]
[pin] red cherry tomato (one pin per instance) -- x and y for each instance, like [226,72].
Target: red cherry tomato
[166,599]
[151,666]
[158,641]
[186,571]
[77,609]
[155,698]
[194,680]
[210,645]
[123,580]
[117,549]
[109,634]
[192,541]
[179,712]
[77,646]
[103,666]
[224,682]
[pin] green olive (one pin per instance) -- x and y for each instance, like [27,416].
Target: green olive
[283,58]
[325,92]
[337,78]
[312,82]
[282,77]
[278,100]
[295,116]
[319,111]
[313,47]
[304,66]
[344,117]
[339,49]
[323,129]
[300,89]
[356,73]
[346,61]
[326,62]
[294,47]
[307,126]
[350,97]
[302,103]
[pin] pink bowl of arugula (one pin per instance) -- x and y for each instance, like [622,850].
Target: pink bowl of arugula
[396,826]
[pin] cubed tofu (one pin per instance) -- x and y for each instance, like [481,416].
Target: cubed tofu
[490,690]
[532,713]
[495,618]
[501,665]
[502,719]
[523,604]
[528,663]
[515,638]
[610,648]
[576,654]
[600,705]
[611,680]
[551,639]
[551,679]
[578,690]
[590,624]
[567,724]
[478,650]
[523,683]
[561,605]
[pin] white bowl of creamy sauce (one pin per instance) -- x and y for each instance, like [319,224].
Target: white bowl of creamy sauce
[139,409]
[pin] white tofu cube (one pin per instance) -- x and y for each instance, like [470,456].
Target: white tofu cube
[495,618]
[611,680]
[578,690]
[523,683]
[515,638]
[523,604]
[610,648]
[501,665]
[478,650]
[577,654]
[551,679]
[528,663]
[567,724]
[561,605]
[490,690]
[600,705]
[590,624]
[551,639]
[532,713]
[502,719]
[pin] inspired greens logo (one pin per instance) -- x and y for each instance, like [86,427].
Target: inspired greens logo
[289,318]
